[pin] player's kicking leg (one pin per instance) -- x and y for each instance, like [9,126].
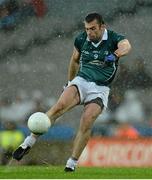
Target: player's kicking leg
[91,112]
[68,99]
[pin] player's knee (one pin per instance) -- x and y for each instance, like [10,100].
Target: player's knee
[89,116]
[87,122]
[85,125]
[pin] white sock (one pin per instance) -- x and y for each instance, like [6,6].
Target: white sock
[29,141]
[71,163]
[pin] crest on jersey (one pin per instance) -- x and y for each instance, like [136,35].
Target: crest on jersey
[106,53]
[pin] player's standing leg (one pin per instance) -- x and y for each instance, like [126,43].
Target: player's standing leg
[91,112]
[68,99]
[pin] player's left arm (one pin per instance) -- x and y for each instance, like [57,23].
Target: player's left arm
[124,48]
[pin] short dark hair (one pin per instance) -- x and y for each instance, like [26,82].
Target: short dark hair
[92,16]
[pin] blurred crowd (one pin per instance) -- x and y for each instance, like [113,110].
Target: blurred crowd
[20,107]
[15,12]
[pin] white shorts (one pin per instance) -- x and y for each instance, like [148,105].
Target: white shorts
[89,90]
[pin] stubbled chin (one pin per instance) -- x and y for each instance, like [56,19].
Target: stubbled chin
[92,39]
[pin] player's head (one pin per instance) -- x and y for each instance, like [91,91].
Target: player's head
[94,26]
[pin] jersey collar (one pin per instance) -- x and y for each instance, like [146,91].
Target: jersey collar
[104,38]
[105,35]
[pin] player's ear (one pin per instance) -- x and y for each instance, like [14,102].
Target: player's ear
[103,26]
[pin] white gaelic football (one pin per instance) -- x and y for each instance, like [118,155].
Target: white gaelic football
[39,123]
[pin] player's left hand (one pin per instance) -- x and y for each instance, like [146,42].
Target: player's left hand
[111,58]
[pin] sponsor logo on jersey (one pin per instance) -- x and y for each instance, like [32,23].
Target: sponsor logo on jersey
[85,52]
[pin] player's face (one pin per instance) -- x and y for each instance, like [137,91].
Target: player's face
[94,30]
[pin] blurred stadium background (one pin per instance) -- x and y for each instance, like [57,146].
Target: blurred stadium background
[36,42]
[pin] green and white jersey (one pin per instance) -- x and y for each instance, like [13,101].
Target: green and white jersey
[92,65]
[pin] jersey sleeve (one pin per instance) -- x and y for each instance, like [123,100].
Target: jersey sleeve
[79,41]
[77,44]
[118,37]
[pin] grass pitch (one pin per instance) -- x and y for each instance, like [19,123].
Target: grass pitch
[57,172]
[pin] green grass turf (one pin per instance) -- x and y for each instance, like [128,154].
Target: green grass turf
[56,172]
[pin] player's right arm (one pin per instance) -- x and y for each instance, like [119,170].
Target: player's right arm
[74,64]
